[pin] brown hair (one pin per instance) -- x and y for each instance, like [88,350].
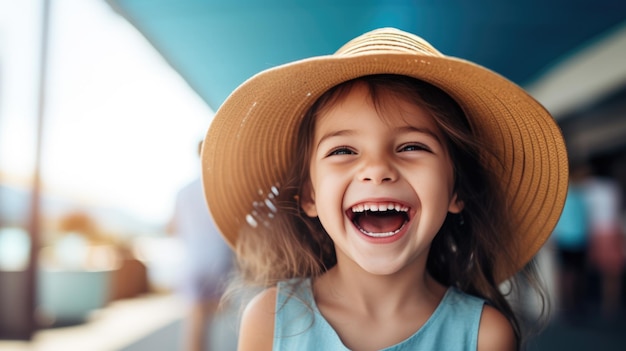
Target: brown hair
[292,245]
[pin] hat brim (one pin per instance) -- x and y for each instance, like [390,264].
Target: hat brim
[251,140]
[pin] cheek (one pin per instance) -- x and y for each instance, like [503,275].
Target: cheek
[446,176]
[329,193]
[323,192]
[437,186]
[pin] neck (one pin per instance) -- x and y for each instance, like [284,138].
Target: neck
[375,294]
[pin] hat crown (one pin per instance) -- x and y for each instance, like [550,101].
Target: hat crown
[387,40]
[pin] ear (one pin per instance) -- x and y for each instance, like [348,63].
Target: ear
[456,205]
[307,202]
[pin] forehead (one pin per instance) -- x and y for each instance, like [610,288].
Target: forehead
[392,106]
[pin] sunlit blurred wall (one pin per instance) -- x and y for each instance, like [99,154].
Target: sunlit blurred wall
[120,130]
[19,62]
[120,126]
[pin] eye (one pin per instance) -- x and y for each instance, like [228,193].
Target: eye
[342,150]
[414,147]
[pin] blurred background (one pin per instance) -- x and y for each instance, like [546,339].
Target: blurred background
[103,102]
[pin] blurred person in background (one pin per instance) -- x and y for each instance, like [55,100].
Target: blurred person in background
[604,200]
[570,238]
[207,263]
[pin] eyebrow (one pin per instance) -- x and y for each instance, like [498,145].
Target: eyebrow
[421,130]
[336,133]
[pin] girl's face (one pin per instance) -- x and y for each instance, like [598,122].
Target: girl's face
[380,183]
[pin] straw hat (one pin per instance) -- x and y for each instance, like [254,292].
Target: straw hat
[251,140]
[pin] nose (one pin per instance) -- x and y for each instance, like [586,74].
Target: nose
[378,169]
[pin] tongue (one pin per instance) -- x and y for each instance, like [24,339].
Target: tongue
[380,222]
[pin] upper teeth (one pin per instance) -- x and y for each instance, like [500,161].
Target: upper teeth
[379,207]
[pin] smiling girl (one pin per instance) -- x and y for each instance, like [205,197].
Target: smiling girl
[381,196]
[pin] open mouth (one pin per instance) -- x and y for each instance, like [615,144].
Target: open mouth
[379,220]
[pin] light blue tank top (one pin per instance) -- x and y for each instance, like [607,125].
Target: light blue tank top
[300,326]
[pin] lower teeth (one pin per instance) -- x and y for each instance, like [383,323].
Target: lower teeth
[379,235]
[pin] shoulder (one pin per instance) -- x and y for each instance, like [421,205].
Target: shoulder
[257,322]
[495,332]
